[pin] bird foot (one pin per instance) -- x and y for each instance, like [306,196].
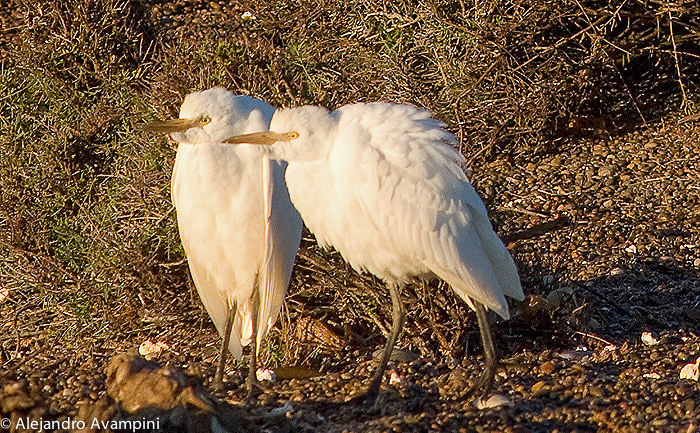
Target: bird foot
[483,383]
[367,398]
[251,398]
[217,384]
[255,389]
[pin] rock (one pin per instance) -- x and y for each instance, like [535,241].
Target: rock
[576,355]
[145,390]
[14,397]
[281,411]
[313,331]
[555,297]
[397,355]
[137,384]
[538,386]
[94,414]
[596,391]
[547,368]
[295,372]
[693,313]
[17,405]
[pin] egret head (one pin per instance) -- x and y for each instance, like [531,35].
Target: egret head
[296,134]
[213,115]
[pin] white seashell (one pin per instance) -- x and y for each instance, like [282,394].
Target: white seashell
[265,374]
[580,354]
[395,378]
[649,339]
[496,400]
[691,371]
[148,347]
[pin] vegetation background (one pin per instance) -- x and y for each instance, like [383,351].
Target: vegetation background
[90,260]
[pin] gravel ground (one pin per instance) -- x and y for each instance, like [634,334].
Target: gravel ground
[623,261]
[573,358]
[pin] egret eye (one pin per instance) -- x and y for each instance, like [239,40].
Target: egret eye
[204,120]
[292,135]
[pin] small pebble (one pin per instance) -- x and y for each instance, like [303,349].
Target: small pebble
[547,368]
[538,386]
[596,391]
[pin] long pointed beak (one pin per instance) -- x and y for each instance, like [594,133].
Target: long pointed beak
[258,138]
[168,126]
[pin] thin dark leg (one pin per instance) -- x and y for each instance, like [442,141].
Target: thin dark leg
[484,381]
[252,379]
[219,375]
[398,318]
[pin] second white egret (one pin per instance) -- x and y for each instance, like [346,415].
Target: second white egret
[383,184]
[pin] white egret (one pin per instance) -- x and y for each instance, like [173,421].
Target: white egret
[236,222]
[382,184]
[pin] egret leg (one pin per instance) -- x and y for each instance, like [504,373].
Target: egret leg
[485,381]
[252,379]
[398,318]
[219,375]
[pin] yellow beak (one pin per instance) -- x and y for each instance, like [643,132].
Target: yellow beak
[168,126]
[258,138]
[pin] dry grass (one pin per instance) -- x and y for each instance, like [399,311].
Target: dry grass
[85,217]
[85,206]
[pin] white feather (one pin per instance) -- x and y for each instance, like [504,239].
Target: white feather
[382,184]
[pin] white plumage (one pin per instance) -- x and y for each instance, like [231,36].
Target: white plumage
[386,189]
[383,185]
[222,201]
